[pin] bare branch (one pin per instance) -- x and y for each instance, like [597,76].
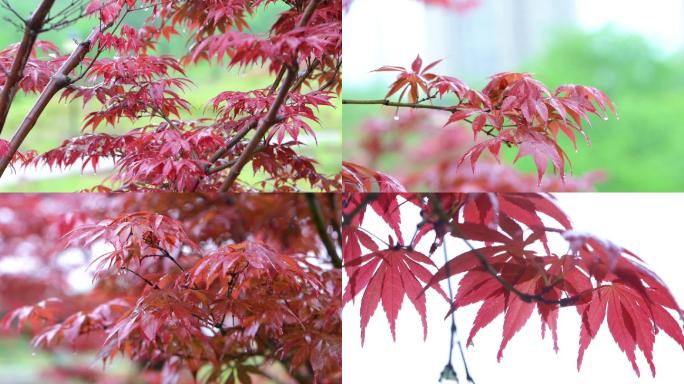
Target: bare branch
[7,6]
[304,75]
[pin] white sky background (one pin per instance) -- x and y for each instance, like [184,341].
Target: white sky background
[400,26]
[648,224]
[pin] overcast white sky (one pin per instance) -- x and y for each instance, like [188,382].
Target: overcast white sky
[648,224]
[402,27]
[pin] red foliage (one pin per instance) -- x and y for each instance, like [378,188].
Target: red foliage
[124,77]
[202,285]
[514,271]
[516,109]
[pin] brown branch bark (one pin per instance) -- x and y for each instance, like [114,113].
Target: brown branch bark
[148,282]
[230,143]
[317,217]
[32,28]
[418,105]
[57,82]
[266,124]
[268,121]
[389,103]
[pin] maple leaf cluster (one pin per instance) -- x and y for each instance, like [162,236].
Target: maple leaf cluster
[118,73]
[195,286]
[510,268]
[514,110]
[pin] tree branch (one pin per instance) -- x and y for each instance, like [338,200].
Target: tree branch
[13,11]
[367,199]
[332,200]
[526,297]
[389,103]
[32,28]
[167,255]
[266,124]
[317,217]
[304,75]
[151,284]
[269,120]
[57,82]
[418,105]
[230,143]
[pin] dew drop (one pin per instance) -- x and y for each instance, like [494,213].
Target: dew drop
[396,118]
[605,118]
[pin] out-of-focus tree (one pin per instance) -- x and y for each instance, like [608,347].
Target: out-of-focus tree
[210,287]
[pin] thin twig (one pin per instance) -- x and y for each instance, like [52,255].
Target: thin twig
[7,6]
[526,297]
[317,217]
[454,337]
[151,284]
[168,256]
[389,103]
[304,75]
[367,199]
[230,143]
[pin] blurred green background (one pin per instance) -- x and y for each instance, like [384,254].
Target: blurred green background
[642,151]
[61,121]
[20,363]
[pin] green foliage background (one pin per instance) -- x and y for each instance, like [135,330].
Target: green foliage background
[642,151]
